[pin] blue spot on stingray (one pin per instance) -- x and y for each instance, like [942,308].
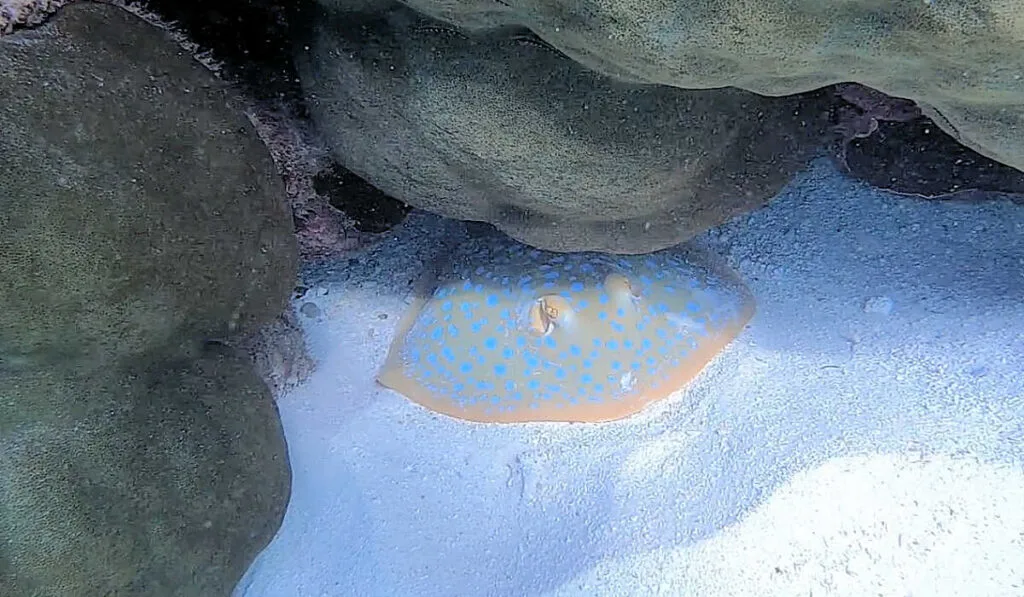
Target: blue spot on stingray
[533,384]
[627,344]
[510,385]
[508,353]
[692,306]
[490,343]
[560,373]
[616,365]
[575,350]
[612,345]
[602,315]
[583,304]
[532,361]
[492,300]
[576,287]
[618,327]
[551,276]
[620,312]
[437,334]
[598,387]
[466,367]
[586,378]
[635,366]
[550,342]
[603,299]
[453,331]
[446,306]
[587,364]
[500,369]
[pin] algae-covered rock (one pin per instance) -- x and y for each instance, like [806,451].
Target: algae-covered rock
[136,207]
[140,217]
[165,477]
[503,129]
[962,60]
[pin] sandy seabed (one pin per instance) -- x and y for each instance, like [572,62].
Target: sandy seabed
[863,436]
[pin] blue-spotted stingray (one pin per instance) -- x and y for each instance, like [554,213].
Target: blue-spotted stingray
[503,332]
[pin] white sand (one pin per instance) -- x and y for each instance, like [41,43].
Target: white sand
[864,436]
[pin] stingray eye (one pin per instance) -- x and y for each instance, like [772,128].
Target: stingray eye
[540,319]
[545,313]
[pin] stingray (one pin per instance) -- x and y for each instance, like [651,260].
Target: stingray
[502,332]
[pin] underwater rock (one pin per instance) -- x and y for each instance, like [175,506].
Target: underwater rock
[502,128]
[959,61]
[140,219]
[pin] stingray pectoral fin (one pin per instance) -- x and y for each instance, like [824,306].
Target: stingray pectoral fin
[703,349]
[392,372]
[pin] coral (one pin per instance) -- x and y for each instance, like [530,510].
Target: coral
[26,13]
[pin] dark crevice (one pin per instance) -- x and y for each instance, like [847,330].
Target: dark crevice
[919,158]
[370,208]
[252,39]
